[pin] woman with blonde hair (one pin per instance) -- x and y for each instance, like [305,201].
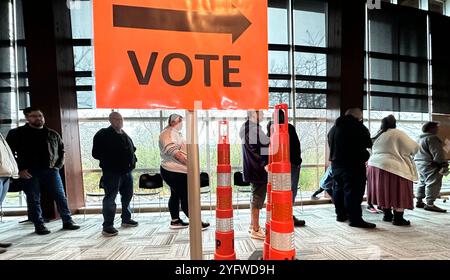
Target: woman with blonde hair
[391,172]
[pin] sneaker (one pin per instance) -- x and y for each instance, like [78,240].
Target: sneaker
[5,244]
[298,223]
[313,197]
[110,231]
[258,234]
[2,250]
[205,225]
[178,224]
[41,230]
[70,225]
[434,208]
[250,228]
[372,209]
[420,204]
[363,224]
[130,223]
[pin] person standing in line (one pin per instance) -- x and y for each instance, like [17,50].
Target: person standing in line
[349,140]
[116,152]
[8,170]
[173,170]
[432,165]
[391,172]
[39,153]
[255,144]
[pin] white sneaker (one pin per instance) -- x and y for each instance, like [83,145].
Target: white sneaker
[258,234]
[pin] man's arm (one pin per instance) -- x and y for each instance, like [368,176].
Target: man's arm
[98,146]
[61,153]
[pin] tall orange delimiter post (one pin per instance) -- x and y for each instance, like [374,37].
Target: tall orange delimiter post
[224,209]
[281,223]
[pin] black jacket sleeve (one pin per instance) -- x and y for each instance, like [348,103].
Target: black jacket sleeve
[61,153]
[98,146]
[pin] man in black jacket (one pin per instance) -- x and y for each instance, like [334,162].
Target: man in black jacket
[349,140]
[116,152]
[39,153]
[295,157]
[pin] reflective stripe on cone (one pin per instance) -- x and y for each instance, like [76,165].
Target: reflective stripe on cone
[224,220]
[282,240]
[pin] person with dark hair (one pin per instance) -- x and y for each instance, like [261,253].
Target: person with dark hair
[39,153]
[295,158]
[349,140]
[255,145]
[116,152]
[173,169]
[431,164]
[391,172]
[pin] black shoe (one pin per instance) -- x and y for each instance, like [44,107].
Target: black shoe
[388,216]
[399,220]
[205,225]
[420,204]
[362,224]
[2,250]
[5,244]
[178,224]
[109,231]
[41,230]
[130,223]
[341,218]
[434,208]
[297,222]
[70,225]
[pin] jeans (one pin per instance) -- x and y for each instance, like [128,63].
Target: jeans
[348,191]
[114,183]
[4,186]
[46,178]
[295,176]
[178,184]
[326,182]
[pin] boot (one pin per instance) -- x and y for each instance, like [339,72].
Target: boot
[398,219]
[388,216]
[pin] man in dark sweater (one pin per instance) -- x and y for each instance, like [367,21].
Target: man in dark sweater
[255,144]
[349,140]
[116,152]
[39,152]
[295,158]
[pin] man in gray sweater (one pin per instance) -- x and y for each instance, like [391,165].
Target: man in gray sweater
[431,164]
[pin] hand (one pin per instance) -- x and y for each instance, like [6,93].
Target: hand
[24,174]
[181,157]
[266,168]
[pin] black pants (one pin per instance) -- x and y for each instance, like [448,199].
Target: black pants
[178,184]
[348,191]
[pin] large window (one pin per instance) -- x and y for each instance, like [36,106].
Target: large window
[13,77]
[297,76]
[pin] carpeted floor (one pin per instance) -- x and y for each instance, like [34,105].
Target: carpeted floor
[322,238]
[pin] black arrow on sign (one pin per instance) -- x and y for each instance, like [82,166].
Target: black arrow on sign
[163,19]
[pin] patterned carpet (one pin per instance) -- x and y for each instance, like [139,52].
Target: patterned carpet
[322,238]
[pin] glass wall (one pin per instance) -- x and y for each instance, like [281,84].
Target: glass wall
[304,24]
[13,77]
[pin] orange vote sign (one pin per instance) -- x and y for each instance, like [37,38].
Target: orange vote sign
[170,54]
